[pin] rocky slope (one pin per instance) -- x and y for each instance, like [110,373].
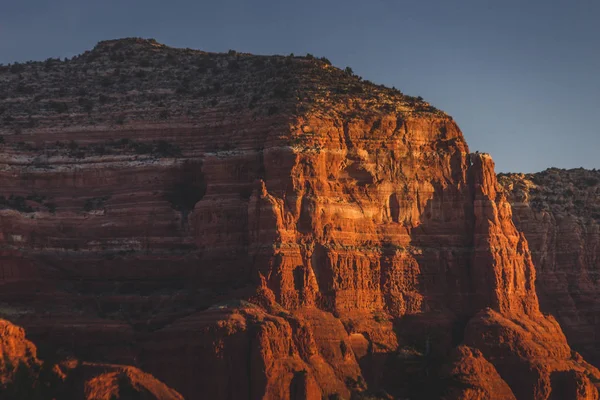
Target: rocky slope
[264,227]
[559,212]
[24,376]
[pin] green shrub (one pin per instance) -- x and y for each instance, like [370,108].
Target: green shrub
[36,197]
[86,104]
[58,106]
[18,203]
[51,207]
[172,59]
[141,148]
[17,68]
[280,91]
[591,181]
[145,63]
[106,81]
[233,65]
[95,203]
[167,149]
[103,99]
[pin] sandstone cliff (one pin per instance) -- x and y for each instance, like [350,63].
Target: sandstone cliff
[559,212]
[264,227]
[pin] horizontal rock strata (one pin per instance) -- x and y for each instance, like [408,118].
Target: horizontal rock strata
[264,227]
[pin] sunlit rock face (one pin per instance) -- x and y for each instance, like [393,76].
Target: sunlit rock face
[264,227]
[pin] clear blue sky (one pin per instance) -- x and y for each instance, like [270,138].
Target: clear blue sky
[521,78]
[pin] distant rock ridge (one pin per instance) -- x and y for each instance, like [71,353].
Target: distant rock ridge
[267,227]
[124,42]
[559,212]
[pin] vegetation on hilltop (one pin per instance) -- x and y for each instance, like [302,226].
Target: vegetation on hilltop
[573,191]
[120,81]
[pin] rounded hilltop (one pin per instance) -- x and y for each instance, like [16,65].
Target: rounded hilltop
[123,80]
[130,42]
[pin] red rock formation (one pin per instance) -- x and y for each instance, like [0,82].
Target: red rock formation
[15,351]
[508,286]
[264,227]
[24,376]
[529,353]
[559,212]
[108,382]
[526,347]
[471,376]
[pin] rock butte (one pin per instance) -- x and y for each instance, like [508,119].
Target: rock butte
[245,226]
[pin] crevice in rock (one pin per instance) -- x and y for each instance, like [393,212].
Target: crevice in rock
[394,206]
[347,139]
[298,274]
[188,188]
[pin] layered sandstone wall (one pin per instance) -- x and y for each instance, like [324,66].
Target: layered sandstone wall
[263,227]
